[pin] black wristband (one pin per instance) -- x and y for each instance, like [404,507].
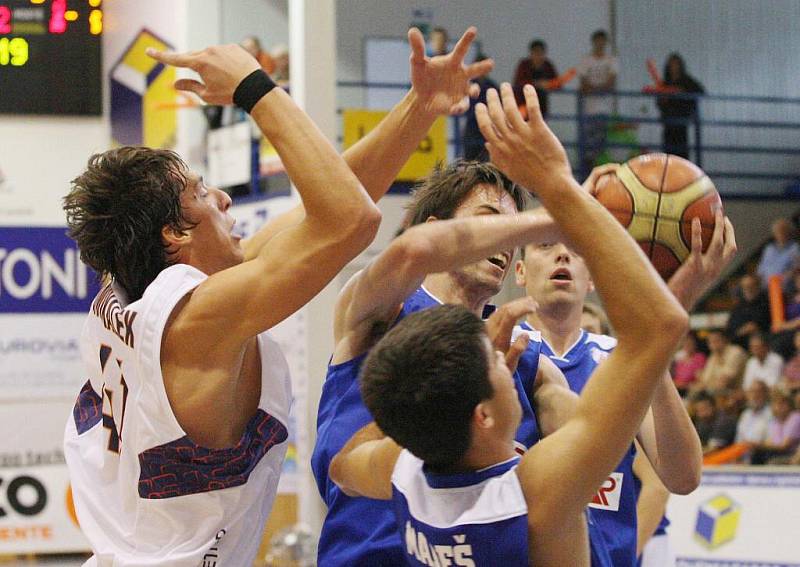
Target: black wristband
[251,89]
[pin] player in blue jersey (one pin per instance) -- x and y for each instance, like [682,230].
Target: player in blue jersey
[559,280]
[435,387]
[463,259]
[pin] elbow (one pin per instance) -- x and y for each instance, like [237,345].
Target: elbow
[336,475]
[360,230]
[670,324]
[687,481]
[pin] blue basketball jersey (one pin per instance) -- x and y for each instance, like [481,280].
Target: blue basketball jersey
[614,505]
[476,518]
[362,531]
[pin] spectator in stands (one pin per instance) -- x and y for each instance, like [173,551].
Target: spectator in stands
[535,69]
[726,417]
[783,339]
[763,364]
[791,372]
[689,362]
[438,42]
[280,55]
[675,136]
[725,365]
[784,430]
[598,77]
[753,426]
[750,315]
[781,256]
[474,143]
[703,414]
[594,320]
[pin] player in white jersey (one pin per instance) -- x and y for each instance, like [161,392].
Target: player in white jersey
[455,408]
[196,406]
[176,441]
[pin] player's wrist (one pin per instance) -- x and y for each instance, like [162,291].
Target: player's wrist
[252,89]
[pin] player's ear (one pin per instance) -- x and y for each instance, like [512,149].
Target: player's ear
[431,219]
[482,416]
[519,273]
[175,238]
[589,286]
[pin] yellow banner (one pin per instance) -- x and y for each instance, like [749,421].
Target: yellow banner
[431,150]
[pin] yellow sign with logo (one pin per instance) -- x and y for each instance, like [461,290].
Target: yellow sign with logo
[431,150]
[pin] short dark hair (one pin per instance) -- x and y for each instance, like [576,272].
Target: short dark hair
[440,29]
[423,379]
[117,208]
[600,33]
[445,189]
[537,43]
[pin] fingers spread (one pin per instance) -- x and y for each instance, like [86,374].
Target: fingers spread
[715,248]
[730,239]
[697,237]
[532,103]
[510,107]
[480,68]
[474,90]
[485,124]
[175,59]
[496,113]
[417,43]
[461,48]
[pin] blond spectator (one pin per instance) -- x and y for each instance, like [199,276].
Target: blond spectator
[725,365]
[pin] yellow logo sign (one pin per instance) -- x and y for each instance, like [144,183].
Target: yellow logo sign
[432,150]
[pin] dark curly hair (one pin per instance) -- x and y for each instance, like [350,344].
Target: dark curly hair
[423,379]
[117,208]
[447,187]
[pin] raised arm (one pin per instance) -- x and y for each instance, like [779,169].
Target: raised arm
[364,466]
[375,295]
[340,219]
[614,402]
[439,86]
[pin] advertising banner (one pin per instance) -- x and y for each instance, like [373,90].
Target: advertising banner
[743,516]
[36,511]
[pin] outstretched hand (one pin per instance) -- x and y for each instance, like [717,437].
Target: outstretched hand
[500,328]
[443,82]
[700,270]
[221,69]
[528,152]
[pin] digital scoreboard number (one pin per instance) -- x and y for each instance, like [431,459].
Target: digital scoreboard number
[50,57]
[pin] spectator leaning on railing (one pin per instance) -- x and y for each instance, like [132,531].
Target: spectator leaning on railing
[782,255]
[750,314]
[676,139]
[763,364]
[535,69]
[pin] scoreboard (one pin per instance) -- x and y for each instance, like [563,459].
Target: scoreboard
[50,57]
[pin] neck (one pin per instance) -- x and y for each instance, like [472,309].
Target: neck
[488,454]
[447,288]
[560,325]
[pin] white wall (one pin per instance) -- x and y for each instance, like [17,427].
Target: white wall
[733,47]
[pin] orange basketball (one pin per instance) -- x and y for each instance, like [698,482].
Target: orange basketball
[655,197]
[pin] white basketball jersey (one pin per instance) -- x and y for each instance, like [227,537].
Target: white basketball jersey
[145,494]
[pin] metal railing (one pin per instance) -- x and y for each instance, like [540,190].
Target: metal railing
[751,153]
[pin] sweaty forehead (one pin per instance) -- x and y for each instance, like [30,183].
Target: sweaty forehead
[487,198]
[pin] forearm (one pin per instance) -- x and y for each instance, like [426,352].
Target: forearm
[584,221]
[673,447]
[650,508]
[457,242]
[328,188]
[377,158]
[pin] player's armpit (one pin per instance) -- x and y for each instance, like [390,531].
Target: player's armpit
[365,464]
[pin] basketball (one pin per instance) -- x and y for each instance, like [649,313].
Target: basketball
[655,197]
